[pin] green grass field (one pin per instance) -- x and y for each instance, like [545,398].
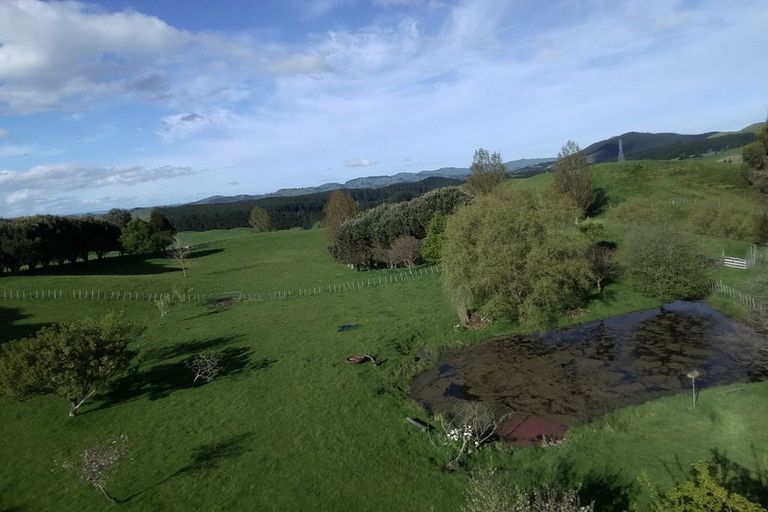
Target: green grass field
[291,426]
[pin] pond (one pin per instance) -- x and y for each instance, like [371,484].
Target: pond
[583,372]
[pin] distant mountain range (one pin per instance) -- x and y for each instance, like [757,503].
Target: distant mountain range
[519,168]
[636,146]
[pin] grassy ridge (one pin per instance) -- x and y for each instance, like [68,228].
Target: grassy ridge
[292,426]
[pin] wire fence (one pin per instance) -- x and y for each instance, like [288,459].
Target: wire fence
[240,296]
[738,296]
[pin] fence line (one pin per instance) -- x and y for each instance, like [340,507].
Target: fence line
[123,295]
[742,298]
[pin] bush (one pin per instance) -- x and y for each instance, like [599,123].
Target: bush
[666,264]
[702,494]
[725,220]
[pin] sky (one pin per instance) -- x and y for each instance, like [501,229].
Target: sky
[126,103]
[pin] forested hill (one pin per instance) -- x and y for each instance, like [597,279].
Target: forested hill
[665,146]
[289,212]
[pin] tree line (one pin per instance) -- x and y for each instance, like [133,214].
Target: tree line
[44,240]
[388,234]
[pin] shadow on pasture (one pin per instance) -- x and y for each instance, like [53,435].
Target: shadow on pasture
[753,485]
[202,254]
[186,348]
[118,266]
[10,329]
[161,380]
[609,491]
[210,456]
[206,457]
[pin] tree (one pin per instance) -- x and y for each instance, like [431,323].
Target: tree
[98,463]
[486,171]
[405,250]
[573,177]
[161,226]
[755,157]
[139,238]
[508,255]
[205,365]
[602,258]
[665,263]
[466,428]
[180,252]
[259,219]
[72,360]
[118,217]
[339,208]
[433,243]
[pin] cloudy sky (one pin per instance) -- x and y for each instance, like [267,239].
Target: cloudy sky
[142,102]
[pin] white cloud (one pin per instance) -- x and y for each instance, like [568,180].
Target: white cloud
[43,185]
[359,162]
[4,133]
[62,51]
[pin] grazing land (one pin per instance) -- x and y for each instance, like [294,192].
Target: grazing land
[289,425]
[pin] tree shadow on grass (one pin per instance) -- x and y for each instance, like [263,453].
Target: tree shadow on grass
[206,457]
[117,266]
[609,491]
[10,329]
[161,380]
[203,254]
[753,485]
[186,348]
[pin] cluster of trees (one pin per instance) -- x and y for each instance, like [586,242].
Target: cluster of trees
[366,241]
[303,211]
[514,255]
[44,240]
[142,237]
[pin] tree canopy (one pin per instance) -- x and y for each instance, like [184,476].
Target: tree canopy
[71,360]
[509,255]
[573,177]
[259,219]
[139,238]
[339,208]
[486,171]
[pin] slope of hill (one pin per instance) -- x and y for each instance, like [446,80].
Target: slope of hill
[667,146]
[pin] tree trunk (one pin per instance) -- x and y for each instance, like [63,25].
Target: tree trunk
[600,285]
[72,408]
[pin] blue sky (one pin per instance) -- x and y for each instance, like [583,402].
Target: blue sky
[123,103]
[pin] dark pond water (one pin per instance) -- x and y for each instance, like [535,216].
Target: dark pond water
[586,371]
